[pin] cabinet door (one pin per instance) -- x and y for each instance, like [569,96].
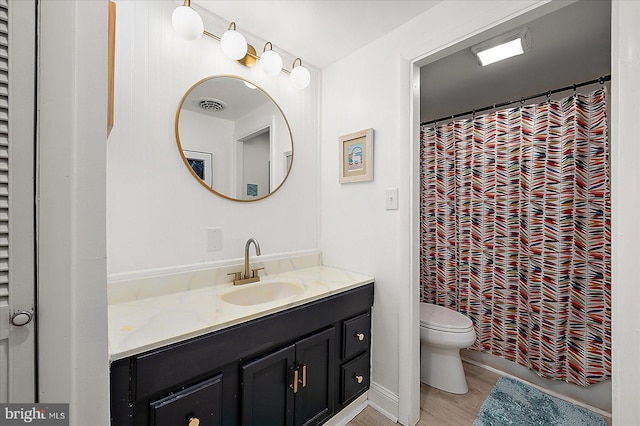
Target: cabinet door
[315,361]
[267,398]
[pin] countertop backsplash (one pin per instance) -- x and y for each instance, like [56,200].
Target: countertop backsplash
[146,284]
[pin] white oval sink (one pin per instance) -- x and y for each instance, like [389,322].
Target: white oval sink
[262,292]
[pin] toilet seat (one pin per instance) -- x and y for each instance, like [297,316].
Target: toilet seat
[439,318]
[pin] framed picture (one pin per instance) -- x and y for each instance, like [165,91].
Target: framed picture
[252,189]
[356,156]
[202,165]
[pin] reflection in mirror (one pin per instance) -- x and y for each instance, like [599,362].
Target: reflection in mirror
[234,138]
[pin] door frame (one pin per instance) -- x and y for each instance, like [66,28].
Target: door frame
[409,342]
[625,203]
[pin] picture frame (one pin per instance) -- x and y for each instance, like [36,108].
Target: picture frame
[356,156]
[201,164]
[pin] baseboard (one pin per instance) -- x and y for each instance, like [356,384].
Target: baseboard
[384,401]
[349,412]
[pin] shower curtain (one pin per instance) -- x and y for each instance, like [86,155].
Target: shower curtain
[516,230]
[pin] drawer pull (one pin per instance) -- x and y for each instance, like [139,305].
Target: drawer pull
[294,385]
[358,378]
[193,421]
[360,336]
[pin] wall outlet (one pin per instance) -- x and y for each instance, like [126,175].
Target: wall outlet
[214,239]
[392,198]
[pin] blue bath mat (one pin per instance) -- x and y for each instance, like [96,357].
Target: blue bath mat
[512,402]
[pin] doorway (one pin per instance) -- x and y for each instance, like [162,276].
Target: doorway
[446,50]
[254,165]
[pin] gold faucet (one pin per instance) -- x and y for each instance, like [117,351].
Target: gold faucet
[239,277]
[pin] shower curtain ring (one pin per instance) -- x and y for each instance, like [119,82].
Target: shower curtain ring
[522,101]
[601,81]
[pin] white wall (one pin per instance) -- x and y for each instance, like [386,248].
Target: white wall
[71,210]
[625,204]
[201,132]
[157,212]
[373,87]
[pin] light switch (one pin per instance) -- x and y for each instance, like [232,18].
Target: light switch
[392,198]
[214,239]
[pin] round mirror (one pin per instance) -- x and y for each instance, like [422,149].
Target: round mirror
[234,138]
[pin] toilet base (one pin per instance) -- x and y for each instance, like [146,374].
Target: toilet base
[441,368]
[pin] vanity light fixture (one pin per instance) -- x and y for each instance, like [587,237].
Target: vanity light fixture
[189,25]
[503,46]
[187,22]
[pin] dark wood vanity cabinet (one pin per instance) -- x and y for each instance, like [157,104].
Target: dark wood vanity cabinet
[296,367]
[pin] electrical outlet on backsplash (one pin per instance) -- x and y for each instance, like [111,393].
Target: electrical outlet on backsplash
[129,286]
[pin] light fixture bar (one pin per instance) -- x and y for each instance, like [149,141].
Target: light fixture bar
[256,57]
[189,26]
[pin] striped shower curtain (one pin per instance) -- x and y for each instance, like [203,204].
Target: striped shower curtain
[516,229]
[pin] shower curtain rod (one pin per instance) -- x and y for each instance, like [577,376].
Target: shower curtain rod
[548,94]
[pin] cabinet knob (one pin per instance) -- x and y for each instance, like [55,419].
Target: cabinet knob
[193,421]
[360,336]
[358,378]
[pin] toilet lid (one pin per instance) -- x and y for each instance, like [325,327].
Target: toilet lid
[439,317]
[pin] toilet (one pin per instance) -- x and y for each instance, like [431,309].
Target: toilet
[443,332]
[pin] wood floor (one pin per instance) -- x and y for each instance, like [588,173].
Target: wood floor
[442,408]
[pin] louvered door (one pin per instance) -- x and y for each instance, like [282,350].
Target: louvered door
[17,201]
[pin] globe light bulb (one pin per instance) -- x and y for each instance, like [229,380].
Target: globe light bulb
[271,63]
[300,76]
[233,44]
[187,23]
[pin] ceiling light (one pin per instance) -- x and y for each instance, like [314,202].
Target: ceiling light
[300,77]
[270,61]
[187,22]
[233,44]
[502,47]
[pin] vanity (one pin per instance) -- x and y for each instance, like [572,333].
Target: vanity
[191,348]
[292,361]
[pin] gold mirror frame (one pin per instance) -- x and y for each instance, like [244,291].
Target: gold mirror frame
[186,162]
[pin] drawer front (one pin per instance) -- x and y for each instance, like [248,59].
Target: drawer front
[356,335]
[202,402]
[355,378]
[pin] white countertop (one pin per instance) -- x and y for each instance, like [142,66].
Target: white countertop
[144,324]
